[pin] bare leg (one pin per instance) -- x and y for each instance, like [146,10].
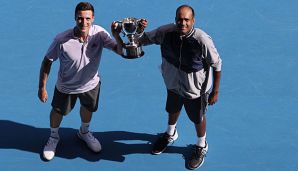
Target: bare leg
[201,127]
[86,115]
[55,119]
[173,118]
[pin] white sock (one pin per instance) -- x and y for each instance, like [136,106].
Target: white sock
[54,132]
[201,141]
[84,127]
[171,129]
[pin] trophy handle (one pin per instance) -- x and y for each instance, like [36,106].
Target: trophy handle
[139,31]
[119,26]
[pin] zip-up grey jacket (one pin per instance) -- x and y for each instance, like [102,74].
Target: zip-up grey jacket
[186,60]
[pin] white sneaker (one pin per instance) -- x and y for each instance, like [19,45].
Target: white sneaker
[91,141]
[50,148]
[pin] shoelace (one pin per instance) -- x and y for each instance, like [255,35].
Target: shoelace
[199,152]
[170,138]
[92,138]
[51,142]
[166,138]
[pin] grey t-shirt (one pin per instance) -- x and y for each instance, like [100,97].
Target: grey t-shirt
[79,62]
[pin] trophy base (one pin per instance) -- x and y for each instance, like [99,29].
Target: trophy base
[132,52]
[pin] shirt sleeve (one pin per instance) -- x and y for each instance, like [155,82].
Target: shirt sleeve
[155,36]
[53,51]
[210,52]
[108,41]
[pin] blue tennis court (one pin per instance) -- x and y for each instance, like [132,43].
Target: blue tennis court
[252,127]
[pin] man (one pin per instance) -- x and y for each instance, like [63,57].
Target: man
[79,51]
[188,53]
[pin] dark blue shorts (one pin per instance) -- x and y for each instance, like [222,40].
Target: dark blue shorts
[64,103]
[195,108]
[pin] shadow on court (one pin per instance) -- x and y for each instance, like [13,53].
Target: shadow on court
[116,144]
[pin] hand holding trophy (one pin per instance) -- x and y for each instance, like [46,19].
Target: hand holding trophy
[132,29]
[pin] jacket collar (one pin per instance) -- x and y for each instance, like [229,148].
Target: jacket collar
[189,34]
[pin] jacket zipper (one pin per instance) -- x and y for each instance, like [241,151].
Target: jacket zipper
[180,53]
[180,61]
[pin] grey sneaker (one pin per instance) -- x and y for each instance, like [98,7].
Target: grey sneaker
[162,142]
[50,148]
[91,141]
[197,158]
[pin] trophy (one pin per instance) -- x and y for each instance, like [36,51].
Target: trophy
[130,29]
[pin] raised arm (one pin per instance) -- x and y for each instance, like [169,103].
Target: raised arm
[115,32]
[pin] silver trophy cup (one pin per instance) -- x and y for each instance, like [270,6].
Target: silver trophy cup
[131,31]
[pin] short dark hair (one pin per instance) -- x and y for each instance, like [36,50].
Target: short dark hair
[84,6]
[187,6]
